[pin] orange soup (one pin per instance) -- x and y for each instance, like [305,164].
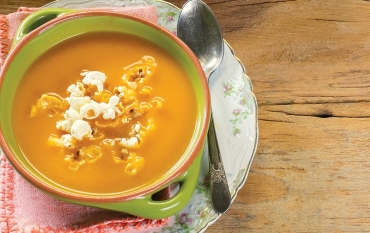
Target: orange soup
[104,112]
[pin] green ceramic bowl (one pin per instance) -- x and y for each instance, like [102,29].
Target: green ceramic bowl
[43,29]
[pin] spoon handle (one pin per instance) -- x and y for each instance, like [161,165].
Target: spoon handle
[220,194]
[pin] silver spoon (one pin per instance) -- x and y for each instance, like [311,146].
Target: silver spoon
[198,28]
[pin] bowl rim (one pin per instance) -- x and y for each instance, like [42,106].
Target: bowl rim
[102,198]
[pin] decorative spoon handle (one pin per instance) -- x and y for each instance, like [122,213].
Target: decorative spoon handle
[220,194]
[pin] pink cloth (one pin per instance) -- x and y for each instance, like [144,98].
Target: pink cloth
[9,23]
[23,208]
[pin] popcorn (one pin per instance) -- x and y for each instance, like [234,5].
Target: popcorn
[109,110]
[63,125]
[121,91]
[80,129]
[90,110]
[76,90]
[68,140]
[70,116]
[96,78]
[89,114]
[91,153]
[77,102]
[132,142]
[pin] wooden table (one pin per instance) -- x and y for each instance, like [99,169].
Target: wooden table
[309,64]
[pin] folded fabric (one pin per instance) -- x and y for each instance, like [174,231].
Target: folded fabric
[9,23]
[23,208]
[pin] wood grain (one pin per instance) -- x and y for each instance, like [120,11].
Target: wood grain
[309,64]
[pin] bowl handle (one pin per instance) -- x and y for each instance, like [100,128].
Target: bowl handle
[37,19]
[146,207]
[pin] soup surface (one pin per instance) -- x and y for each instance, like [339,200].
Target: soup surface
[104,112]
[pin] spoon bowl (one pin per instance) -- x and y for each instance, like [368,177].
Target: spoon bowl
[198,28]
